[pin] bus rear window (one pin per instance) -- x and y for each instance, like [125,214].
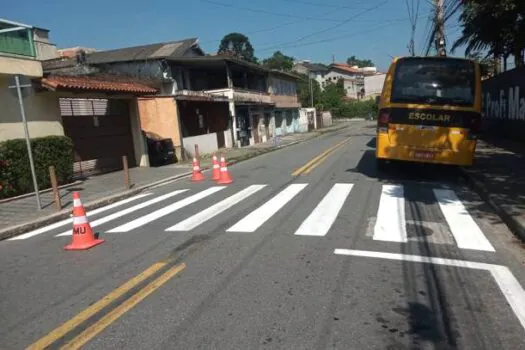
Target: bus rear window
[434,81]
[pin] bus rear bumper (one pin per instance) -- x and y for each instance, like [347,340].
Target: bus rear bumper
[420,155]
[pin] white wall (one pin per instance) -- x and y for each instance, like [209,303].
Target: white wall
[374,84]
[207,143]
[42,113]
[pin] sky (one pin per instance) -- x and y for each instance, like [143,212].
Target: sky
[316,30]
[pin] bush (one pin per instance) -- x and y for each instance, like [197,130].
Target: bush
[358,109]
[15,171]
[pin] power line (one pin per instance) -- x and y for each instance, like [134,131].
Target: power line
[327,29]
[327,40]
[280,14]
[321,4]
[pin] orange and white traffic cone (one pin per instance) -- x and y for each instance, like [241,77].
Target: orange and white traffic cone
[225,177]
[216,169]
[197,175]
[83,236]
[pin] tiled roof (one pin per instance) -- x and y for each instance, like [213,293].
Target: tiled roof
[96,84]
[346,68]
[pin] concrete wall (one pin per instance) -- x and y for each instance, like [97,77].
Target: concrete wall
[140,146]
[158,116]
[303,118]
[207,143]
[42,113]
[15,65]
[327,119]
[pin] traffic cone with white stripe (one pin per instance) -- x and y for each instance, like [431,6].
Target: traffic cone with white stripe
[225,177]
[197,175]
[216,169]
[83,236]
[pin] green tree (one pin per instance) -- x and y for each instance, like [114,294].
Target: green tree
[303,91]
[354,61]
[279,61]
[238,45]
[497,27]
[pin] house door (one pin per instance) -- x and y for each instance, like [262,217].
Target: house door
[267,117]
[255,129]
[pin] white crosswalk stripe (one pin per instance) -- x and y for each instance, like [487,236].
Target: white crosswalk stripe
[70,220]
[452,226]
[466,232]
[207,214]
[166,210]
[390,223]
[259,216]
[127,211]
[318,223]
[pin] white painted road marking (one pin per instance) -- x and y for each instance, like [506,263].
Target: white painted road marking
[127,211]
[466,232]
[318,223]
[390,223]
[166,210]
[209,213]
[70,220]
[507,282]
[259,216]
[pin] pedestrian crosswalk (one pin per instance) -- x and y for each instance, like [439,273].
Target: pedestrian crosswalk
[390,224]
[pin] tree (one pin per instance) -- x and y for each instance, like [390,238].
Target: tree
[303,91]
[332,98]
[354,61]
[237,45]
[497,27]
[279,61]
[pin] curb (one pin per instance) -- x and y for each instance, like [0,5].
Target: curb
[64,213]
[25,195]
[514,225]
[13,231]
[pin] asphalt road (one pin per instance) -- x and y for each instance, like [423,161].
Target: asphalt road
[336,257]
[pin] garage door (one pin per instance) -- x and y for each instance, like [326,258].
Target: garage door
[101,133]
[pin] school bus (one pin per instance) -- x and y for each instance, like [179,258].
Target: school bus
[429,111]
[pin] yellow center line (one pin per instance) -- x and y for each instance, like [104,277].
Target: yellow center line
[117,312]
[68,326]
[318,159]
[316,164]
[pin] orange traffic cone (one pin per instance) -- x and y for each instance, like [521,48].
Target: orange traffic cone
[225,177]
[197,175]
[83,237]
[216,168]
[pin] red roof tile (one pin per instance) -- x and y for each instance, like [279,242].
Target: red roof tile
[95,84]
[346,67]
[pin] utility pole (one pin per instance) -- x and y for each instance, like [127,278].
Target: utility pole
[440,28]
[311,90]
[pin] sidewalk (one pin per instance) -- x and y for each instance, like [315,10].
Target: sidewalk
[498,175]
[21,215]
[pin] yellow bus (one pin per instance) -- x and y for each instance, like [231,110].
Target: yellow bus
[429,111]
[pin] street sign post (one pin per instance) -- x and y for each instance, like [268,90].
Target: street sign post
[20,93]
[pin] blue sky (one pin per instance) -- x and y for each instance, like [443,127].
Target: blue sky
[374,29]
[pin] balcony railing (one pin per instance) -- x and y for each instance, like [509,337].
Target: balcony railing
[14,43]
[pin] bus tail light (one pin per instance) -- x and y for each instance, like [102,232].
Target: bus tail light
[382,121]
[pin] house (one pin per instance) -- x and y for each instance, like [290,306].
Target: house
[374,85]
[22,48]
[315,71]
[352,76]
[282,87]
